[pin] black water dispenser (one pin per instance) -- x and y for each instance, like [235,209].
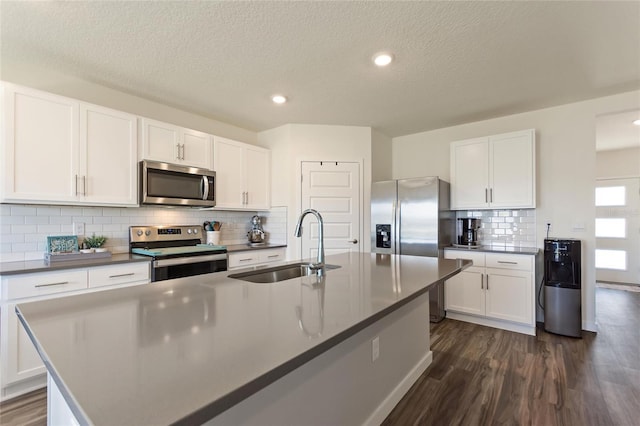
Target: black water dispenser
[562,287]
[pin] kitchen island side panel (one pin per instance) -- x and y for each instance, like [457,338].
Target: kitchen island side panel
[344,385]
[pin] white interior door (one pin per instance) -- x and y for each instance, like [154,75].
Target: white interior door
[333,189]
[618,230]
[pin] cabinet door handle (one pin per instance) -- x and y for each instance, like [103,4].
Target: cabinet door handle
[245,260]
[76,184]
[509,263]
[482,281]
[487,281]
[182,158]
[52,284]
[178,154]
[491,195]
[354,241]
[84,185]
[122,275]
[486,195]
[273,256]
[247,197]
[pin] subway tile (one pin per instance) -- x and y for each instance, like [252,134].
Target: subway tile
[34,255]
[23,229]
[5,210]
[60,220]
[23,211]
[48,211]
[70,211]
[101,220]
[11,257]
[49,229]
[92,211]
[12,238]
[36,220]
[82,219]
[13,220]
[23,247]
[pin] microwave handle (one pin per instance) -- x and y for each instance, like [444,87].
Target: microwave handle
[205,187]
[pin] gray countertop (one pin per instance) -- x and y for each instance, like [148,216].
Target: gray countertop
[498,249]
[29,266]
[187,349]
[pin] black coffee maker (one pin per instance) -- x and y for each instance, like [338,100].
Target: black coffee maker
[468,231]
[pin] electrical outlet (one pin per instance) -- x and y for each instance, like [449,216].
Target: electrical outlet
[78,228]
[375,349]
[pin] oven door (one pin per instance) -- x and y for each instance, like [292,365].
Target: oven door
[174,185]
[180,267]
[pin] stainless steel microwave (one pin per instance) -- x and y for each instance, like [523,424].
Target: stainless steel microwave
[175,185]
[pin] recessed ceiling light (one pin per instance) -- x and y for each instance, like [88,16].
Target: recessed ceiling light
[278,99]
[383,59]
[636,122]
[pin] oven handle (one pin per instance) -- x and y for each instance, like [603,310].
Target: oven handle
[190,259]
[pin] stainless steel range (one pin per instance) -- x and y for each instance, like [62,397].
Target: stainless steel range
[177,251]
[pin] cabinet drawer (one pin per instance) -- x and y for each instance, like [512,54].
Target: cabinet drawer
[119,274]
[272,255]
[476,257]
[41,284]
[244,258]
[509,261]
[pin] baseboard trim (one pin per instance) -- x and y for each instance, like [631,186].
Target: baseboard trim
[503,325]
[389,403]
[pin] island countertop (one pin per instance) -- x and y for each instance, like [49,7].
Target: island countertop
[185,350]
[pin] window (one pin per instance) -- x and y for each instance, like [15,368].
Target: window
[611,259]
[610,196]
[611,228]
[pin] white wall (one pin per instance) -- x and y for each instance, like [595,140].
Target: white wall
[618,163]
[293,143]
[381,157]
[66,85]
[566,170]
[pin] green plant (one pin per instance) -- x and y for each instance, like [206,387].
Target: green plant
[95,241]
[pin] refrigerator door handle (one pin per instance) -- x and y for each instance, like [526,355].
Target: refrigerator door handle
[395,238]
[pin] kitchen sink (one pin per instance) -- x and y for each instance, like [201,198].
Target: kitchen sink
[279,273]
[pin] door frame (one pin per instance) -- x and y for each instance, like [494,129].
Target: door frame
[364,213]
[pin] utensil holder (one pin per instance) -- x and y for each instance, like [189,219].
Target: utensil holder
[213,237]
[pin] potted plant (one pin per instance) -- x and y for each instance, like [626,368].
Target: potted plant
[95,242]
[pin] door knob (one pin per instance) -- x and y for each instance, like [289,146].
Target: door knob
[354,241]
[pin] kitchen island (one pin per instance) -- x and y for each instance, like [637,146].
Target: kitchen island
[339,350]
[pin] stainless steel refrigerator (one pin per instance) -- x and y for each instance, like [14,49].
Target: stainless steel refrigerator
[412,217]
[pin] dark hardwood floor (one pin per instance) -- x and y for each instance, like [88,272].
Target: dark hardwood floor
[484,376]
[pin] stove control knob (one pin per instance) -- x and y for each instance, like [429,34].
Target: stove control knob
[189,231]
[139,233]
[147,232]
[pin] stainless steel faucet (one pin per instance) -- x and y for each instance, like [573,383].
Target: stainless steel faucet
[319,265]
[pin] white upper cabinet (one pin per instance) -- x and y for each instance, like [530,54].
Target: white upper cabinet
[495,172]
[59,150]
[108,156]
[243,175]
[173,144]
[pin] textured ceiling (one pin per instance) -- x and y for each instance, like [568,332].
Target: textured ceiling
[456,62]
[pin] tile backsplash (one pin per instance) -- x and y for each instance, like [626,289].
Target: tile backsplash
[508,228]
[24,228]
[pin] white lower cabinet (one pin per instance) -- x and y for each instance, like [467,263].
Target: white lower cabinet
[255,257]
[21,369]
[498,290]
